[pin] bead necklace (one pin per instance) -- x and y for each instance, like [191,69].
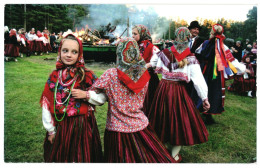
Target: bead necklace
[67,99]
[66,84]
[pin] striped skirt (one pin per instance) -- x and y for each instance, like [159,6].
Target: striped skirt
[39,46]
[31,46]
[47,47]
[11,50]
[137,147]
[77,140]
[174,116]
[241,85]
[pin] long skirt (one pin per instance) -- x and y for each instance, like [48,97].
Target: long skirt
[12,50]
[149,96]
[174,116]
[47,47]
[39,47]
[137,147]
[241,85]
[22,49]
[77,140]
[31,46]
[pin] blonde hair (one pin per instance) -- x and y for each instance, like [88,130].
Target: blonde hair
[182,63]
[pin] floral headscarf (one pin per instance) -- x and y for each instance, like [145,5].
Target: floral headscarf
[130,65]
[144,32]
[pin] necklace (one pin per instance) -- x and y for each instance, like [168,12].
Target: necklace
[67,99]
[66,84]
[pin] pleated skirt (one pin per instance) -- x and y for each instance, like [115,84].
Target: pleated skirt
[138,147]
[77,140]
[149,96]
[31,46]
[47,47]
[241,85]
[174,116]
[39,46]
[11,50]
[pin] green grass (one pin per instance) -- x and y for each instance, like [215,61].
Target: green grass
[231,140]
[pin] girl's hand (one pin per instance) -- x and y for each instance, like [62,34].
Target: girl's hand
[78,94]
[248,71]
[206,105]
[51,138]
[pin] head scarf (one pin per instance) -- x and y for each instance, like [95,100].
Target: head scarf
[131,66]
[12,32]
[39,34]
[74,107]
[144,32]
[79,63]
[180,48]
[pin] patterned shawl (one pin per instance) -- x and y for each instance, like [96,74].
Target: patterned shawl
[131,66]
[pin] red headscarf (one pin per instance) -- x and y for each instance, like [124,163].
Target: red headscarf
[74,107]
[39,34]
[12,33]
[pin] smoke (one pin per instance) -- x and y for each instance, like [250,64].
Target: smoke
[119,15]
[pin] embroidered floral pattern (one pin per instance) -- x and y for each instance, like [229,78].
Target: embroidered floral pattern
[124,113]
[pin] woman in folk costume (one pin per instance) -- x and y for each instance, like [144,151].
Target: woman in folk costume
[23,45]
[128,138]
[31,41]
[47,46]
[143,37]
[173,114]
[72,133]
[217,64]
[244,82]
[40,43]
[13,49]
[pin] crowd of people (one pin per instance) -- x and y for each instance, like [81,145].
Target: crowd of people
[18,44]
[148,120]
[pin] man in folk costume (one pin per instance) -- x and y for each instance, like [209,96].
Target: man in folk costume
[195,40]
[217,64]
[173,115]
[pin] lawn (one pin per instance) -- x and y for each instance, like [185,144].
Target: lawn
[231,140]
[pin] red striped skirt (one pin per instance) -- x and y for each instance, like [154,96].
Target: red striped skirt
[31,46]
[137,147]
[241,85]
[77,140]
[11,50]
[174,116]
[47,47]
[39,47]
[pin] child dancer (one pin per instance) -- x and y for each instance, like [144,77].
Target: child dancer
[12,50]
[72,133]
[128,138]
[143,37]
[173,115]
[244,82]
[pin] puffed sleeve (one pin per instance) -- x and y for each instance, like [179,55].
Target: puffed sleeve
[47,119]
[198,81]
[97,99]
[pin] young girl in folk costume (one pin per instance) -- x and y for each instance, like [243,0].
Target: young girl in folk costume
[13,48]
[72,133]
[143,37]
[173,114]
[128,138]
[244,82]
[217,64]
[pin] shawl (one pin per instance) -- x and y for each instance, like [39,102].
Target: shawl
[65,104]
[131,66]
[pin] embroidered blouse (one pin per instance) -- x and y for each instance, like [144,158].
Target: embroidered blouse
[124,106]
[189,72]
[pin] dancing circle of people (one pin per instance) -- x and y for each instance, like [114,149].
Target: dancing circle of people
[148,120]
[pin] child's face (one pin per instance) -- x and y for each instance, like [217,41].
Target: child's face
[69,52]
[135,34]
[247,59]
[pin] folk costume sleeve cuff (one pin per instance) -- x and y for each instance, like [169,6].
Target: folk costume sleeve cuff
[97,99]
[154,60]
[241,68]
[48,121]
